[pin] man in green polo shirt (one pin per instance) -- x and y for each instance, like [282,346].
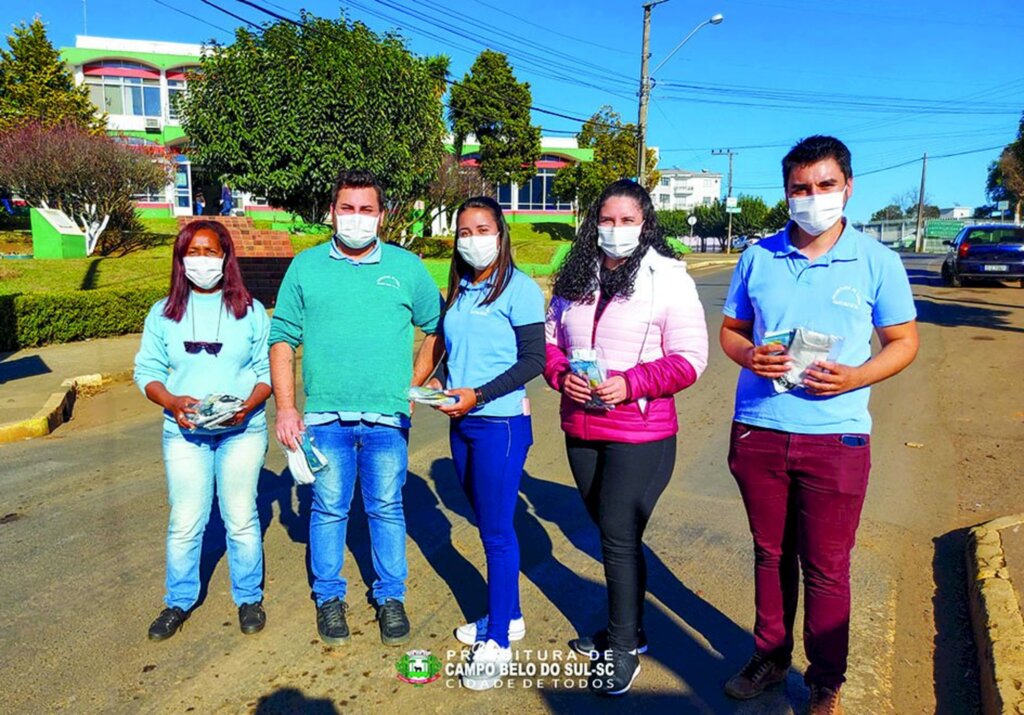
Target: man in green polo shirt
[352,303]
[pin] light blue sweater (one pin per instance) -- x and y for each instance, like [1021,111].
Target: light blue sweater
[243,361]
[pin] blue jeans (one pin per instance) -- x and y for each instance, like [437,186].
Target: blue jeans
[379,456]
[489,454]
[196,465]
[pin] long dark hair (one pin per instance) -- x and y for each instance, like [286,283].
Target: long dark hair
[504,264]
[578,277]
[234,294]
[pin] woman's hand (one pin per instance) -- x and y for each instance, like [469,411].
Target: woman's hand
[181,406]
[613,391]
[576,388]
[466,402]
[241,415]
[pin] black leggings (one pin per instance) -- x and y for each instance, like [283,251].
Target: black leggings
[620,484]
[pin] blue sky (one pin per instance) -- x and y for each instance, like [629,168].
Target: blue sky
[893,80]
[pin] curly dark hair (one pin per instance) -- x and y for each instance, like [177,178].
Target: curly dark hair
[578,277]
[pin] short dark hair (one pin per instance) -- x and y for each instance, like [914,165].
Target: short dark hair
[814,149]
[357,179]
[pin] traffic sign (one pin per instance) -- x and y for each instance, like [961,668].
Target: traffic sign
[732,209]
[942,228]
[730,202]
[692,220]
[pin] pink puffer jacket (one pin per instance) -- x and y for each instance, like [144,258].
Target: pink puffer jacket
[657,339]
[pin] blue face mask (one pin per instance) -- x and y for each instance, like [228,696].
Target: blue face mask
[356,230]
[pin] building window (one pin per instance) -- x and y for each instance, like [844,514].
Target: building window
[175,90]
[153,197]
[664,199]
[664,181]
[504,194]
[536,194]
[131,96]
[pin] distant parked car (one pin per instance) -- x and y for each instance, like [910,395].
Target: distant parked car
[741,243]
[993,251]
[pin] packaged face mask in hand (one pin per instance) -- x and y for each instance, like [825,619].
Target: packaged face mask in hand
[306,461]
[430,396]
[214,410]
[584,363]
[806,348]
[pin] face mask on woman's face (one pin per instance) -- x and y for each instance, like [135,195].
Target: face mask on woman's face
[204,271]
[619,241]
[478,251]
[356,230]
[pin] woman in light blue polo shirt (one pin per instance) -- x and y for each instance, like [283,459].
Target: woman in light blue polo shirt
[494,339]
[208,336]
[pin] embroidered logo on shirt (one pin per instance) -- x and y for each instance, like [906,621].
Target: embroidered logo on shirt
[389,282]
[848,297]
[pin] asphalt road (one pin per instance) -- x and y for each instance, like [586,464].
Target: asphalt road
[84,515]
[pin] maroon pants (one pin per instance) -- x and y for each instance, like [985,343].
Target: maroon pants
[803,494]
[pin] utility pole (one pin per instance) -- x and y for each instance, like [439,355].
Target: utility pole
[645,95]
[919,247]
[730,153]
[85,17]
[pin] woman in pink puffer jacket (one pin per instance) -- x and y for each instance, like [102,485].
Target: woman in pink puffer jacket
[624,294]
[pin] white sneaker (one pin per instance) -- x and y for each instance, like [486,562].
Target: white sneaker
[469,633]
[487,665]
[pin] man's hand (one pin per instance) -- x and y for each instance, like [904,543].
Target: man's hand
[827,379]
[577,388]
[466,402]
[181,406]
[290,427]
[769,361]
[613,391]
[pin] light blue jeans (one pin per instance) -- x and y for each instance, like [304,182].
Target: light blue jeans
[196,466]
[379,456]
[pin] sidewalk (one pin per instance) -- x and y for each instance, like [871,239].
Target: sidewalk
[995,570]
[29,377]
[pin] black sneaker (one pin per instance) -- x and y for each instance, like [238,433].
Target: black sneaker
[167,623]
[596,644]
[251,617]
[614,672]
[331,623]
[394,624]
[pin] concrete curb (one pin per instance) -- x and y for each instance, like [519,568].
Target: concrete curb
[996,619]
[58,407]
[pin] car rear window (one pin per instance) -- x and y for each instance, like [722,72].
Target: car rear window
[996,235]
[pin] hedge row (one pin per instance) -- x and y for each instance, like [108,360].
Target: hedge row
[32,319]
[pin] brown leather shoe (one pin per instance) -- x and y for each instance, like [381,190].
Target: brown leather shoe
[825,701]
[757,675]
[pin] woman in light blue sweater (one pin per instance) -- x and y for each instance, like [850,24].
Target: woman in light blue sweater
[209,336]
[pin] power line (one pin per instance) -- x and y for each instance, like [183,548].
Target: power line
[250,23]
[194,17]
[546,28]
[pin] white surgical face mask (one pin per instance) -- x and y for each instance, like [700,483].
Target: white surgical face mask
[817,213]
[478,251]
[619,241]
[204,271]
[356,230]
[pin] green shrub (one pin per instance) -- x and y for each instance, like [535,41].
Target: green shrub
[432,247]
[33,319]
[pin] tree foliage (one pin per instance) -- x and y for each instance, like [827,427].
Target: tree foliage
[1006,175]
[892,212]
[280,113]
[455,182]
[84,175]
[615,146]
[36,87]
[492,105]
[674,222]
[778,217]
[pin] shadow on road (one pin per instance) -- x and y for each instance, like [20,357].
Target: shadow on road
[955,662]
[957,314]
[291,701]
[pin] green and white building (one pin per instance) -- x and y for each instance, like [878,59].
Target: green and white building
[136,82]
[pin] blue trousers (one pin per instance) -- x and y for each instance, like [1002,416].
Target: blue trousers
[379,456]
[489,454]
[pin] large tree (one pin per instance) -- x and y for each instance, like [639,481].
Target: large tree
[37,87]
[614,144]
[1006,177]
[777,217]
[281,112]
[89,177]
[490,104]
[892,212]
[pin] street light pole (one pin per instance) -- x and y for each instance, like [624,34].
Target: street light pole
[645,93]
[645,82]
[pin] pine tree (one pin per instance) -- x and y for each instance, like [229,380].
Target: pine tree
[36,86]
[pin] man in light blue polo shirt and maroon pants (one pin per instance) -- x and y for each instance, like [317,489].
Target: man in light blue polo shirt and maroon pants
[801,456]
